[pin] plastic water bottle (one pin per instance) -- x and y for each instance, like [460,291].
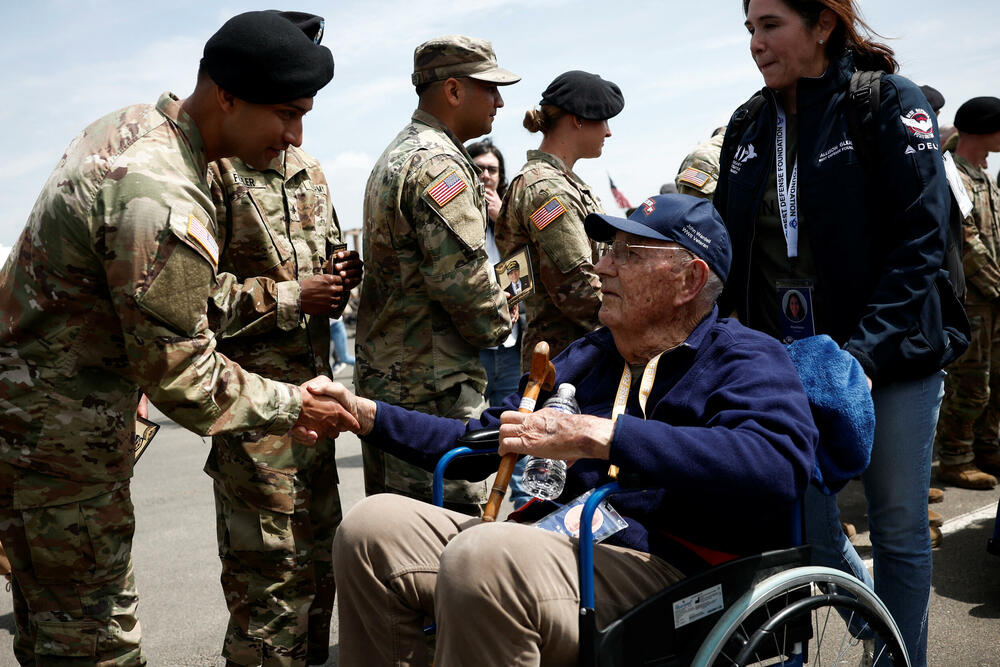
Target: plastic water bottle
[545,478]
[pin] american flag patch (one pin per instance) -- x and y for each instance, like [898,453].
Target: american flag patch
[552,209]
[695,177]
[445,190]
[197,231]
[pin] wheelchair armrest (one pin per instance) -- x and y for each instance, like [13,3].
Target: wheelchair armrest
[473,443]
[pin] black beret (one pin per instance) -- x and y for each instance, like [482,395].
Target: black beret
[980,115]
[585,95]
[934,98]
[269,57]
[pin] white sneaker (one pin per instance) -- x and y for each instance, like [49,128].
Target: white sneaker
[339,367]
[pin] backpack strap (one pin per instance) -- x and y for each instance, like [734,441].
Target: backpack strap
[864,95]
[738,124]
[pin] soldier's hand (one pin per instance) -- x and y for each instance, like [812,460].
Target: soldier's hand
[348,265]
[362,408]
[493,203]
[143,408]
[328,409]
[322,294]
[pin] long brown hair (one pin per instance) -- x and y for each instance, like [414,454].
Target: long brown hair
[851,33]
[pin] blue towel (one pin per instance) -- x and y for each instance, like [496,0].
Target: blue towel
[842,407]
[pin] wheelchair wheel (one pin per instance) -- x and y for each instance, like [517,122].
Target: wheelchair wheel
[803,616]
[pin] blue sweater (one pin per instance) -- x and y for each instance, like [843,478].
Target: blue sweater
[728,446]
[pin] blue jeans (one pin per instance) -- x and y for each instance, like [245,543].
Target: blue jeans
[896,485]
[503,373]
[338,336]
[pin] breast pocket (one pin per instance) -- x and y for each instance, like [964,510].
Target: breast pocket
[251,238]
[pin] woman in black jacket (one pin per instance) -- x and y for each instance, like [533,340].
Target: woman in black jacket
[863,239]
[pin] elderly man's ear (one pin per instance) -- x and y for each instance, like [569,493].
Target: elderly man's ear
[691,280]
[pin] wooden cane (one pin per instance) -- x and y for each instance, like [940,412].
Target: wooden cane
[541,376]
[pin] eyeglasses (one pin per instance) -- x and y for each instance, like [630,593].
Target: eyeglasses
[489,169]
[619,250]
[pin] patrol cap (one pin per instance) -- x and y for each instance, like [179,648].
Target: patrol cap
[934,98]
[980,115]
[585,95]
[457,56]
[269,57]
[512,265]
[689,221]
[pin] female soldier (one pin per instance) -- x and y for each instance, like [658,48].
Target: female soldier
[866,236]
[545,206]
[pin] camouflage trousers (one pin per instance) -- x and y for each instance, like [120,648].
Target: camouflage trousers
[70,550]
[970,412]
[275,533]
[385,473]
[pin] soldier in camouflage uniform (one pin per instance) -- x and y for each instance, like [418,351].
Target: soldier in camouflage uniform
[430,299]
[699,171]
[277,505]
[970,414]
[106,291]
[546,203]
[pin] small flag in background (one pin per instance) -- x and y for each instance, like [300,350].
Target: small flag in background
[619,197]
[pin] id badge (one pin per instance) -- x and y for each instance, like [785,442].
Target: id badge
[566,519]
[795,299]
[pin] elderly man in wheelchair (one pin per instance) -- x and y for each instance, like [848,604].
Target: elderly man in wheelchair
[708,417]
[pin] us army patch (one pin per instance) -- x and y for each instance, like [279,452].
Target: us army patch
[695,177]
[548,212]
[446,188]
[197,231]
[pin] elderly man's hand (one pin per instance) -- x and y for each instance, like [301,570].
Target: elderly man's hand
[553,434]
[328,409]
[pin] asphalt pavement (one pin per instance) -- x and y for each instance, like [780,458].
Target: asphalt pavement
[184,617]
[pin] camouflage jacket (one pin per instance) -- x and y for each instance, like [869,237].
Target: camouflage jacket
[429,298]
[277,227]
[699,172]
[981,258]
[106,291]
[567,292]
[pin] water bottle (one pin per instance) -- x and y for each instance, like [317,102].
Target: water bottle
[545,478]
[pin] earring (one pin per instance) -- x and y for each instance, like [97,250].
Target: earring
[821,42]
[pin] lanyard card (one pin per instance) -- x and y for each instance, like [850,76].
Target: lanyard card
[566,519]
[795,309]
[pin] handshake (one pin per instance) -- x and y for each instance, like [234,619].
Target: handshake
[328,409]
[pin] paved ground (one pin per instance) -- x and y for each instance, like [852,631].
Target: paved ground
[184,617]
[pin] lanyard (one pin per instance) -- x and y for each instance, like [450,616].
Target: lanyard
[624,387]
[788,192]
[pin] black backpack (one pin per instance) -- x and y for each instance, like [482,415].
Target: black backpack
[864,95]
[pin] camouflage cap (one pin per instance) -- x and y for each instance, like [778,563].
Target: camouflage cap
[457,56]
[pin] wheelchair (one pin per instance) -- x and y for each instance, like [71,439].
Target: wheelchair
[766,609]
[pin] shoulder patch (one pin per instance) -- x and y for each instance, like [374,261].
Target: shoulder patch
[197,231]
[548,212]
[695,177]
[446,188]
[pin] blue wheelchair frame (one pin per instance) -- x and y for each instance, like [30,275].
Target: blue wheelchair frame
[750,582]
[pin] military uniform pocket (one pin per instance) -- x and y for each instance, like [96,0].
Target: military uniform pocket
[84,542]
[68,639]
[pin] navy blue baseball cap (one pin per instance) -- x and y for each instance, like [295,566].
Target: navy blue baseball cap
[689,221]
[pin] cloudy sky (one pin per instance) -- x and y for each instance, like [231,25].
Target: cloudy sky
[683,68]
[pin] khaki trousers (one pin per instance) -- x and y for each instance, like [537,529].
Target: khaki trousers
[501,594]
